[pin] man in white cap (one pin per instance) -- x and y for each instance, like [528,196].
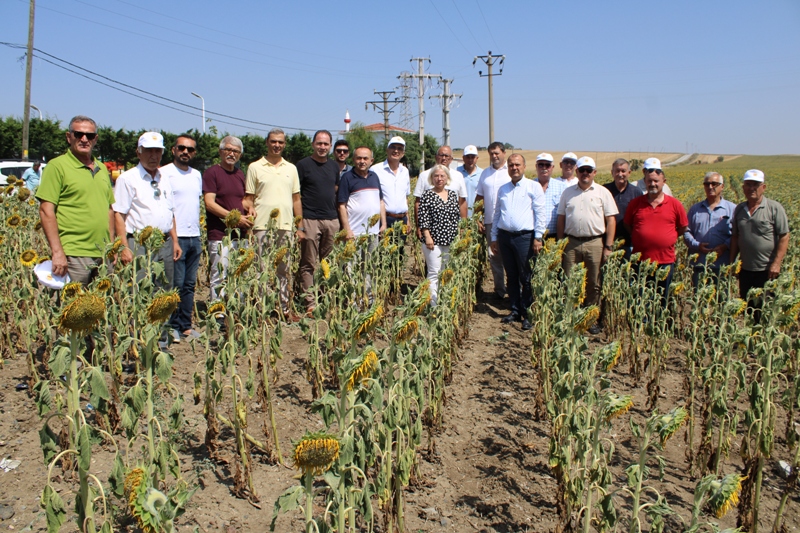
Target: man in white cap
[710,226]
[568,162]
[395,181]
[471,173]
[490,182]
[586,215]
[552,192]
[144,199]
[760,234]
[652,165]
[444,156]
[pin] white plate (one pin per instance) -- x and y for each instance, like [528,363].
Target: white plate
[44,271]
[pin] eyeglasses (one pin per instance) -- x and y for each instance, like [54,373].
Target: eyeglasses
[712,184]
[190,149]
[156,190]
[656,170]
[543,165]
[585,170]
[90,135]
[396,147]
[342,151]
[233,151]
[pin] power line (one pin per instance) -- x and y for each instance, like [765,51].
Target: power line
[455,5]
[448,26]
[485,22]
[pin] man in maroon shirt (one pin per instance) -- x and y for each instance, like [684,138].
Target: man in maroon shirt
[223,191]
[654,222]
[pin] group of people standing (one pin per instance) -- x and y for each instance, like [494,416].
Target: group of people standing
[82,210]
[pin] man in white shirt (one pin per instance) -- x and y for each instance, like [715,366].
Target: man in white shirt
[144,198]
[568,176]
[491,180]
[471,173]
[395,182]
[187,188]
[444,156]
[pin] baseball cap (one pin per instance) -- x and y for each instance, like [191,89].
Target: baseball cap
[651,163]
[470,149]
[151,139]
[569,155]
[544,156]
[396,140]
[585,161]
[754,175]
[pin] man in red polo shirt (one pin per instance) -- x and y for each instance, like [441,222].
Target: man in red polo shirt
[654,222]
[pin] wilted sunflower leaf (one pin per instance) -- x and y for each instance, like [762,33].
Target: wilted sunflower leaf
[163,367]
[44,402]
[288,501]
[54,509]
[59,361]
[84,448]
[116,477]
[98,382]
[48,442]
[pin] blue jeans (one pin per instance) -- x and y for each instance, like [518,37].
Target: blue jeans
[185,280]
[517,252]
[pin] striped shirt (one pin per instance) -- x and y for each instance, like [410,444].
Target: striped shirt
[552,196]
[520,207]
[363,199]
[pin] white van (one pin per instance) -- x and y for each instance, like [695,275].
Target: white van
[14,167]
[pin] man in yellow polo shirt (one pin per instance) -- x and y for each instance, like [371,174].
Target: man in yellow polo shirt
[273,183]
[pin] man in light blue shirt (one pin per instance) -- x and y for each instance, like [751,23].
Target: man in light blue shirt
[517,229]
[472,174]
[552,191]
[33,176]
[710,226]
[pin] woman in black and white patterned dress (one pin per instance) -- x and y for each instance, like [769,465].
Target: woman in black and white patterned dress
[438,219]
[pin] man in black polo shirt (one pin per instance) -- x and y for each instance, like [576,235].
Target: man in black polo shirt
[319,182]
[623,192]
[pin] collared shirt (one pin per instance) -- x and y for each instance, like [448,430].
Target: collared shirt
[643,187]
[520,207]
[345,169]
[585,211]
[710,226]
[32,178]
[758,234]
[622,199]
[272,187]
[471,182]
[456,184]
[395,187]
[491,181]
[83,197]
[187,188]
[145,203]
[569,183]
[654,230]
[552,197]
[362,196]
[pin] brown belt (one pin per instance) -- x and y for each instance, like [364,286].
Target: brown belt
[584,239]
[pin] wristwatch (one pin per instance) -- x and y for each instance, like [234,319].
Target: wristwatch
[609,248]
[301,229]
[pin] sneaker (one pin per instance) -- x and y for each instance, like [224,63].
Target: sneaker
[190,334]
[176,336]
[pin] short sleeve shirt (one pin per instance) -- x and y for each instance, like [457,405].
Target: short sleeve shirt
[144,202]
[456,184]
[622,199]
[318,182]
[82,198]
[552,198]
[229,190]
[440,217]
[187,188]
[655,231]
[395,187]
[585,211]
[362,196]
[273,187]
[471,182]
[759,233]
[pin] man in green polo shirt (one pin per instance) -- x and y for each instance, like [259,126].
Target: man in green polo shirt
[75,209]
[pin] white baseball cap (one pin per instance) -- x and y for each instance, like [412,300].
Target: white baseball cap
[754,175]
[585,161]
[544,156]
[569,155]
[470,149]
[396,140]
[151,139]
[651,163]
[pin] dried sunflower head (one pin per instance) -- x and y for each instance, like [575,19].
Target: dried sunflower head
[367,321]
[617,406]
[585,318]
[406,330]
[232,219]
[23,194]
[248,256]
[216,308]
[28,258]
[72,289]
[82,314]
[162,306]
[365,367]
[103,285]
[667,424]
[275,213]
[725,494]
[280,255]
[374,219]
[315,453]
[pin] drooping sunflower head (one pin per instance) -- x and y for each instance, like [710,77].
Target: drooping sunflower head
[315,453]
[14,220]
[9,189]
[374,219]
[232,219]
[347,253]
[477,206]
[325,267]
[114,249]
[216,308]
[296,221]
[275,213]
[734,307]
[367,321]
[724,494]
[424,300]
[678,288]
[447,276]
[82,314]
[72,289]
[667,424]
[162,306]
[28,258]
[460,246]
[145,234]
[280,255]
[406,330]
[364,368]
[617,406]
[609,355]
[585,318]
[133,479]
[23,194]
[103,285]
[340,236]
[247,256]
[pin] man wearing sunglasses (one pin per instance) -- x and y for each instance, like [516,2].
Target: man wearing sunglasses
[144,198]
[568,165]
[651,164]
[187,188]
[75,198]
[710,227]
[341,151]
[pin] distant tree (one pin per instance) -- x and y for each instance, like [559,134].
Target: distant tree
[636,164]
[720,159]
[298,146]
[508,146]
[358,136]
[414,151]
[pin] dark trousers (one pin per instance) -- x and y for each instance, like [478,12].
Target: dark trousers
[185,273]
[662,287]
[516,251]
[749,279]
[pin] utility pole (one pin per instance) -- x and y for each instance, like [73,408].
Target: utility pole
[447,99]
[421,76]
[405,97]
[26,114]
[385,107]
[490,60]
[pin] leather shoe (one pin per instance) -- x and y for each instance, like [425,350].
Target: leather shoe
[595,329]
[508,319]
[526,324]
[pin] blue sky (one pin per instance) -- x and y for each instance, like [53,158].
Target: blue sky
[718,76]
